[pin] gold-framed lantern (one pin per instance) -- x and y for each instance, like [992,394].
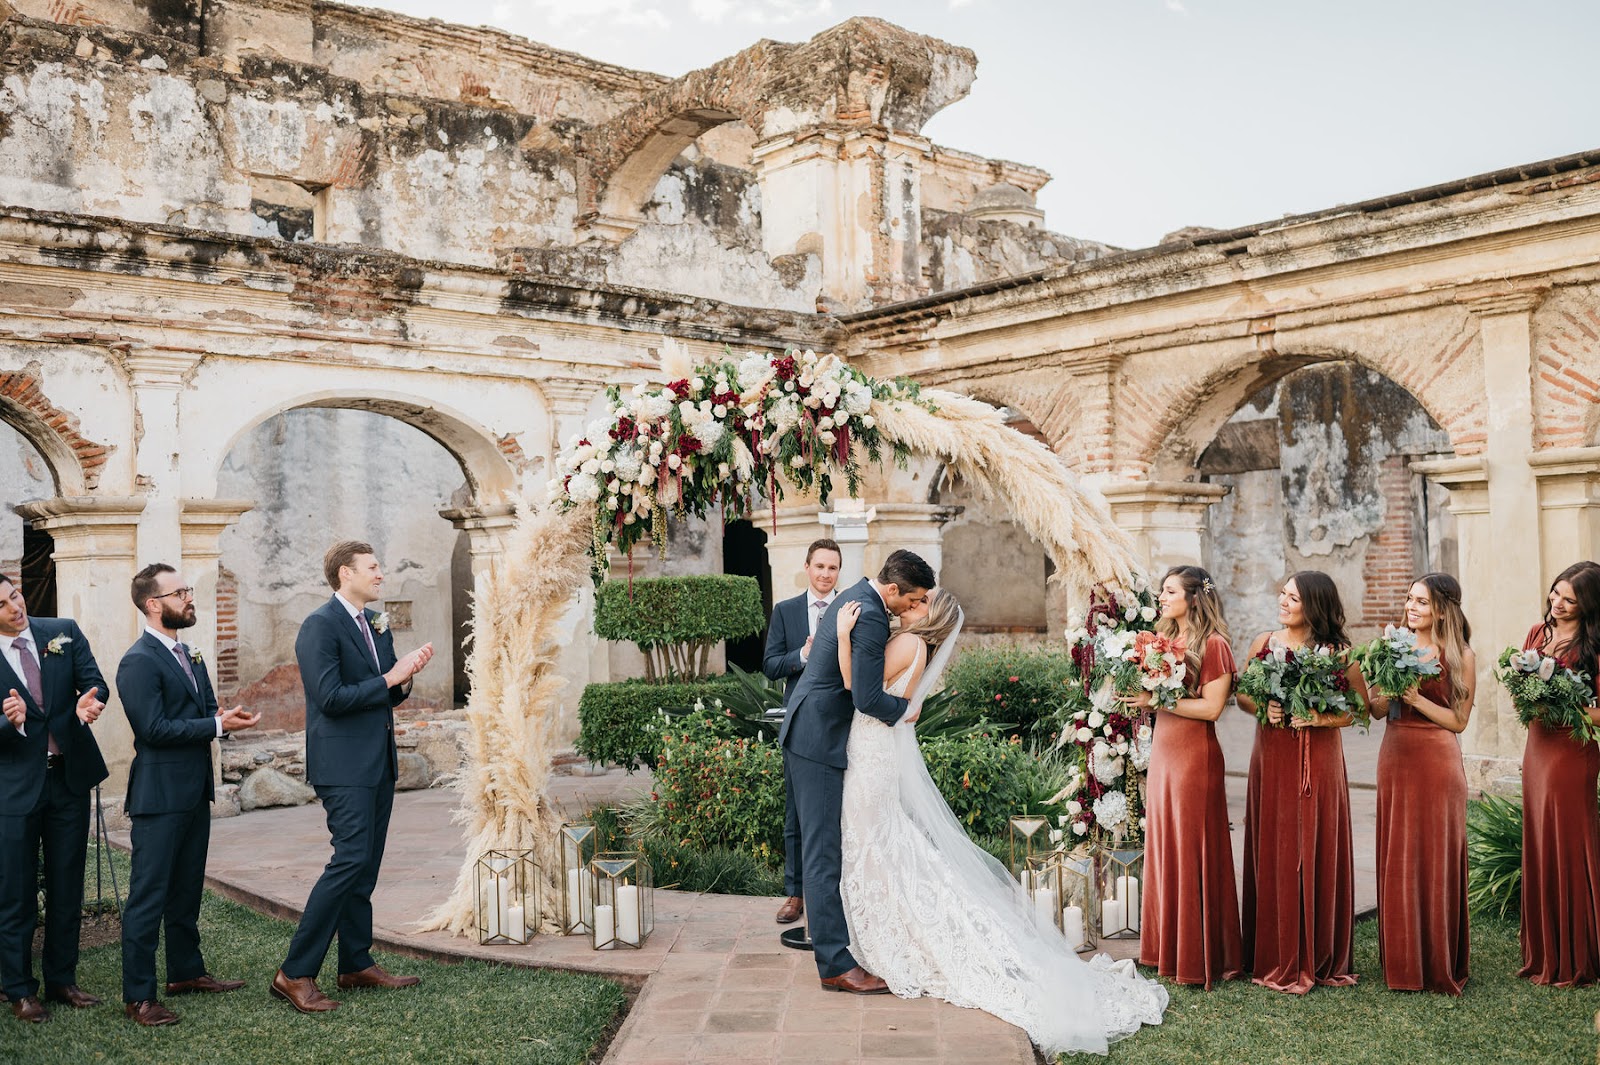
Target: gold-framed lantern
[1063,888]
[1119,880]
[1024,827]
[577,844]
[507,893]
[622,911]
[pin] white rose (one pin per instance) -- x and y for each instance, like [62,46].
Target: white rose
[1131,613]
[696,384]
[827,437]
[686,409]
[799,462]
[1079,829]
[673,462]
[628,519]
[1084,735]
[1074,807]
[608,466]
[720,410]
[869,422]
[824,422]
[722,470]
[1096,719]
[591,467]
[1148,613]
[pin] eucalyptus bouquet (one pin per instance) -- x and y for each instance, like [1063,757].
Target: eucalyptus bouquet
[1391,663]
[1305,681]
[1543,690]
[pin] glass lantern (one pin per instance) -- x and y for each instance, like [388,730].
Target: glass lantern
[1024,827]
[622,911]
[1120,875]
[1063,888]
[507,897]
[577,839]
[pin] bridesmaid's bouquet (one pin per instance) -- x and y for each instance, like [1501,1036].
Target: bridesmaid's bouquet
[1543,690]
[1391,663]
[1304,681]
[1157,666]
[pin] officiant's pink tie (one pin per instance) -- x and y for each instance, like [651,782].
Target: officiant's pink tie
[35,682]
[366,630]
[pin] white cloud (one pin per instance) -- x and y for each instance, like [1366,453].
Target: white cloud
[1175,6]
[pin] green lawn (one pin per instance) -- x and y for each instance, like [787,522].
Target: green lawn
[471,1012]
[1498,1019]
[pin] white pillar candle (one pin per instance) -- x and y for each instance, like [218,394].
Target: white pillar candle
[628,914]
[1027,880]
[1044,903]
[1128,895]
[1112,916]
[605,928]
[491,909]
[517,924]
[1072,926]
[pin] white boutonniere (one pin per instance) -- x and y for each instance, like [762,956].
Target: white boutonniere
[380,623]
[196,656]
[58,645]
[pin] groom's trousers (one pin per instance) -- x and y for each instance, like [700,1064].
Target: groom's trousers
[819,791]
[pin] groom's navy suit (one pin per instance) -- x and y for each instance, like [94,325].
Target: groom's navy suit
[351,761]
[814,736]
[48,804]
[170,790]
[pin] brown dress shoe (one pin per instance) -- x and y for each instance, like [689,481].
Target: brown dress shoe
[206,984]
[791,910]
[302,994]
[150,1013]
[72,995]
[857,981]
[30,1009]
[374,976]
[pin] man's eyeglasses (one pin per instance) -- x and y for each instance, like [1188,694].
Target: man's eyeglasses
[185,593]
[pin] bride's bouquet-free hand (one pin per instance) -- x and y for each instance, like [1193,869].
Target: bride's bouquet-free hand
[1391,663]
[1305,682]
[1543,690]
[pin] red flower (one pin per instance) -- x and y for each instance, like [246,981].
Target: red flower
[655,796]
[680,388]
[688,445]
[786,367]
[998,697]
[1013,680]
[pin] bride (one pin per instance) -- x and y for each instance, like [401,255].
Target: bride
[934,914]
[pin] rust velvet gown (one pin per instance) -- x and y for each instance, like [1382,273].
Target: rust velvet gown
[1190,930]
[1560,853]
[1299,881]
[1422,849]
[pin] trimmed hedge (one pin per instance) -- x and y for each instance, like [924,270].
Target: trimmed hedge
[1008,684]
[676,621]
[619,722]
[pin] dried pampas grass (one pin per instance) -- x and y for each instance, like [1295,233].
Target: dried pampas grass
[1072,523]
[511,709]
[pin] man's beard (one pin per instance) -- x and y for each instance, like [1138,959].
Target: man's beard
[174,619]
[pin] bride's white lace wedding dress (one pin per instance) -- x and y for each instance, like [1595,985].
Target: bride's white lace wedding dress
[934,914]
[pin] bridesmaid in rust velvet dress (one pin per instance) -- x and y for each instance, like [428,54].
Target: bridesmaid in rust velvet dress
[1560,823]
[1299,881]
[1422,802]
[1191,904]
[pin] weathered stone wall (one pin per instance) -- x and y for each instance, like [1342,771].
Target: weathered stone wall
[24,476]
[958,251]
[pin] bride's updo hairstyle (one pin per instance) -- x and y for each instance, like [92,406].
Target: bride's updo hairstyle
[944,611]
[1205,614]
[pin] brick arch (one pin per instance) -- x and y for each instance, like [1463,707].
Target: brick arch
[1162,433]
[74,460]
[1566,351]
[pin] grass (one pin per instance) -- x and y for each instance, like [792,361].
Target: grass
[467,1012]
[1498,1019]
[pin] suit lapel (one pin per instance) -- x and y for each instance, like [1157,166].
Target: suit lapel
[170,664]
[10,680]
[352,634]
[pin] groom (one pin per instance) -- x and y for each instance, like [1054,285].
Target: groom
[813,739]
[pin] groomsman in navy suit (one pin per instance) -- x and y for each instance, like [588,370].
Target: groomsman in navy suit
[789,634]
[49,763]
[352,681]
[167,694]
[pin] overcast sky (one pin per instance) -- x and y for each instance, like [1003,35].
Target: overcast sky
[1158,114]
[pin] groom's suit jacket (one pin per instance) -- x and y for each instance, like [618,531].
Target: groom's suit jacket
[821,707]
[349,709]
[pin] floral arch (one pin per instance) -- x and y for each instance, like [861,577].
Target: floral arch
[717,436]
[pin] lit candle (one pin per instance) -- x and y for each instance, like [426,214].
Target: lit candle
[517,924]
[628,914]
[604,927]
[1072,926]
[1112,916]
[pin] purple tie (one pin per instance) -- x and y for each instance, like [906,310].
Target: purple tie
[35,682]
[183,660]
[361,619]
[821,605]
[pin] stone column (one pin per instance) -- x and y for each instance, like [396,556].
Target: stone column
[915,527]
[203,521]
[1568,481]
[158,381]
[94,560]
[1166,519]
[787,539]
[486,526]
[848,522]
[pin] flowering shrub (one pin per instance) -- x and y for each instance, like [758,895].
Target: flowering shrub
[985,778]
[1009,685]
[717,789]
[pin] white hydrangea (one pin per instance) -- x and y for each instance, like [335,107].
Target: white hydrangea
[784,415]
[1111,810]
[654,407]
[1139,752]
[753,369]
[583,488]
[857,398]
[628,465]
[1106,766]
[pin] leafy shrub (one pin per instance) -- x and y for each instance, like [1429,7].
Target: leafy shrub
[1007,684]
[1494,856]
[681,868]
[677,621]
[620,721]
[715,788]
[984,777]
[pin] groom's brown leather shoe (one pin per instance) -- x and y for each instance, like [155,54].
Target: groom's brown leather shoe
[790,911]
[302,993]
[857,981]
[71,995]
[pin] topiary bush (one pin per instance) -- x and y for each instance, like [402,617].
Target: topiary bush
[620,722]
[677,621]
[1007,684]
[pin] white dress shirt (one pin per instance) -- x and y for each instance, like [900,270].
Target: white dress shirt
[814,615]
[172,648]
[14,658]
